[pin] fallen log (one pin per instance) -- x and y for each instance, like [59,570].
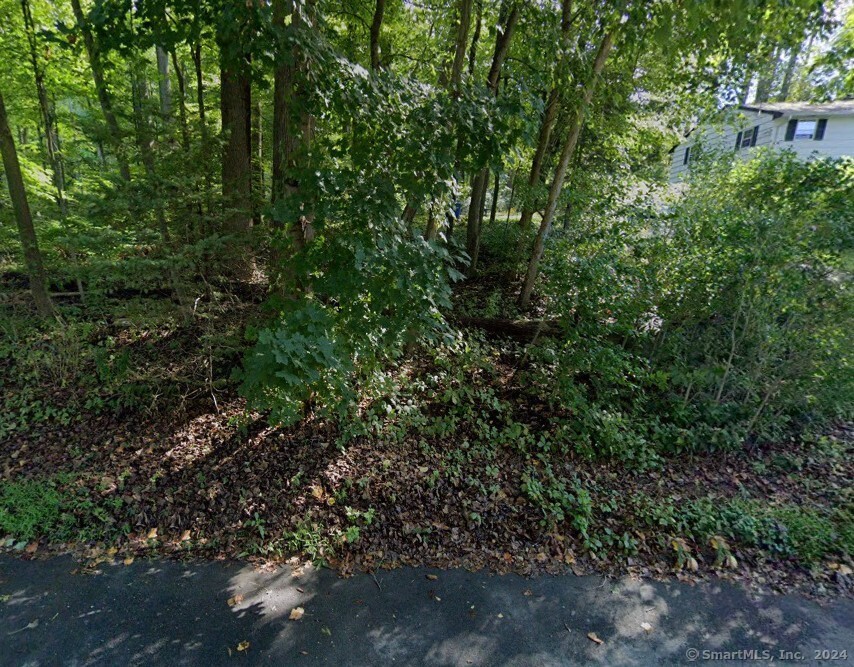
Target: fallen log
[526,331]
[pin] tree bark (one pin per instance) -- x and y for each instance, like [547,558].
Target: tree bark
[376,28]
[293,126]
[236,108]
[97,67]
[24,218]
[164,84]
[565,156]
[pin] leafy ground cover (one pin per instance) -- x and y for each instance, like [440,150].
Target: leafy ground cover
[456,460]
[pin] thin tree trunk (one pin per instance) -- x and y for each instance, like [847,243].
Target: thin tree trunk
[475,37]
[95,64]
[493,207]
[546,126]
[432,231]
[376,28]
[563,164]
[182,100]
[460,43]
[145,141]
[24,218]
[504,34]
[543,139]
[512,193]
[257,162]
[48,115]
[788,73]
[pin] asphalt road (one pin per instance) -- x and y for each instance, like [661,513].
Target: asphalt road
[169,613]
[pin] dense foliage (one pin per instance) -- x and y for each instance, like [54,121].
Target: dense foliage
[441,225]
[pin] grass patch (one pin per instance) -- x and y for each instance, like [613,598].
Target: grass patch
[57,509]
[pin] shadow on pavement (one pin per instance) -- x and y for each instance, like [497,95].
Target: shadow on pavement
[171,613]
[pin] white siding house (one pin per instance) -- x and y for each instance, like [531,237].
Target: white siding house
[807,129]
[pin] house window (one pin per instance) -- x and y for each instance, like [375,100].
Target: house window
[805,130]
[747,138]
[687,158]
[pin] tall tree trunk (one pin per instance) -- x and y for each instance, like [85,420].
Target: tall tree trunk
[460,43]
[546,126]
[512,193]
[543,140]
[145,142]
[767,73]
[560,174]
[493,206]
[24,218]
[182,99]
[293,127]
[164,84]
[376,28]
[97,67]
[475,37]
[48,115]
[257,161]
[788,74]
[504,34]
[236,107]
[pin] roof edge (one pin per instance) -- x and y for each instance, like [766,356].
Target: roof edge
[775,114]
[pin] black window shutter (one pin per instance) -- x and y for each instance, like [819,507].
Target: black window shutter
[819,129]
[738,141]
[687,153]
[755,135]
[790,129]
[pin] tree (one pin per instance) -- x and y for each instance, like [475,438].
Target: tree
[104,99]
[376,27]
[236,110]
[566,154]
[504,33]
[26,231]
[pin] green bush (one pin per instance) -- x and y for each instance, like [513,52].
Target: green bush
[725,319]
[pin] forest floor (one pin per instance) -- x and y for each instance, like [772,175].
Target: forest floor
[192,474]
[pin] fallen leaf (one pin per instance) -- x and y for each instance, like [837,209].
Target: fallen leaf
[500,615]
[128,560]
[152,534]
[243,646]
[592,636]
[528,593]
[296,613]
[32,547]
[646,627]
[185,536]
[325,630]
[431,577]
[112,551]
[235,599]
